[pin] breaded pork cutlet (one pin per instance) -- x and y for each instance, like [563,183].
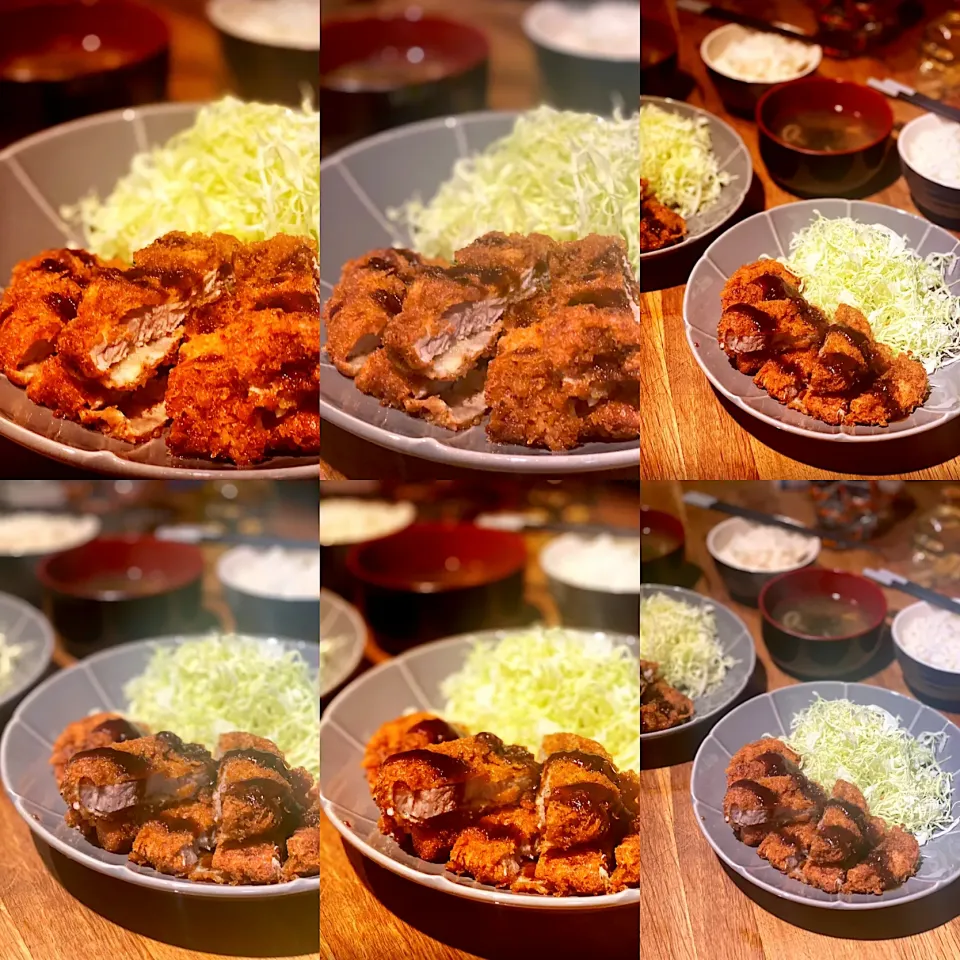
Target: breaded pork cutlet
[661,705]
[494,848]
[97,730]
[371,291]
[44,294]
[455,406]
[578,871]
[130,322]
[472,774]
[253,861]
[113,789]
[410,732]
[282,273]
[452,316]
[174,840]
[578,799]
[303,846]
[595,271]
[659,225]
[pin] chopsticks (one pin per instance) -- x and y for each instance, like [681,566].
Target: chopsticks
[890,579]
[197,534]
[698,498]
[520,524]
[745,20]
[899,91]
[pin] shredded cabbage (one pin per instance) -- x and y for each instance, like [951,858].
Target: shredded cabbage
[871,267]
[677,160]
[9,655]
[211,685]
[559,173]
[682,639]
[898,774]
[548,680]
[247,169]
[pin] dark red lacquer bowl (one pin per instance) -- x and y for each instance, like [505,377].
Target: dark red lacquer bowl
[458,84]
[820,173]
[60,60]
[434,580]
[662,568]
[817,658]
[116,589]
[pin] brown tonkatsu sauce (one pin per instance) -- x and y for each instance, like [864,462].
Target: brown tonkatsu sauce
[586,797]
[442,765]
[64,307]
[131,765]
[184,281]
[389,301]
[838,837]
[380,265]
[259,757]
[435,729]
[118,729]
[609,299]
[586,761]
[289,301]
[258,790]
[765,796]
[189,751]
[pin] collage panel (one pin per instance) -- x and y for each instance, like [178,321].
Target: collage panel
[480,242]
[799,710]
[799,270]
[159,719]
[479,728]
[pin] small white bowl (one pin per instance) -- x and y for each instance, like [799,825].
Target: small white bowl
[936,200]
[741,96]
[929,683]
[744,583]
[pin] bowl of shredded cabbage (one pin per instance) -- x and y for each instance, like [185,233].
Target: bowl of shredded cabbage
[517,684]
[902,755]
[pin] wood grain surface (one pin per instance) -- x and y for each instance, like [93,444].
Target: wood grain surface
[52,908]
[513,86]
[691,905]
[688,431]
[368,913]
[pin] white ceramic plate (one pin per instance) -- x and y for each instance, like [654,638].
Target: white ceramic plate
[411,681]
[344,627]
[91,685]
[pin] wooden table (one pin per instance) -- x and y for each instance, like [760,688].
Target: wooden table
[691,905]
[52,908]
[688,430]
[368,913]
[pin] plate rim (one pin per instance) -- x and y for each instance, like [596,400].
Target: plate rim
[361,631]
[482,893]
[802,431]
[724,707]
[154,879]
[877,902]
[741,148]
[49,641]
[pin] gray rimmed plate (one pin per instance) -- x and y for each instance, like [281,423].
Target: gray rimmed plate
[91,685]
[357,192]
[37,176]
[734,639]
[768,234]
[733,158]
[411,682]
[772,713]
[24,626]
[342,625]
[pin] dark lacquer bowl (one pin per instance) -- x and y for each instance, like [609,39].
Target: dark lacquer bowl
[820,173]
[940,686]
[444,62]
[937,200]
[817,658]
[663,562]
[270,71]
[60,60]
[744,583]
[434,580]
[264,615]
[116,589]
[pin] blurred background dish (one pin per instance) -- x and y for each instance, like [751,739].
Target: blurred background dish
[661,546]
[382,72]
[60,60]
[823,137]
[927,643]
[272,47]
[744,64]
[587,54]
[822,624]
[343,634]
[26,646]
[748,555]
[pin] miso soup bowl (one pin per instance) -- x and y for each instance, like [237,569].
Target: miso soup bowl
[819,658]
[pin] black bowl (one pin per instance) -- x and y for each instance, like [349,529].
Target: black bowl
[665,567]
[258,615]
[744,586]
[821,173]
[816,658]
[434,580]
[588,84]
[94,601]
